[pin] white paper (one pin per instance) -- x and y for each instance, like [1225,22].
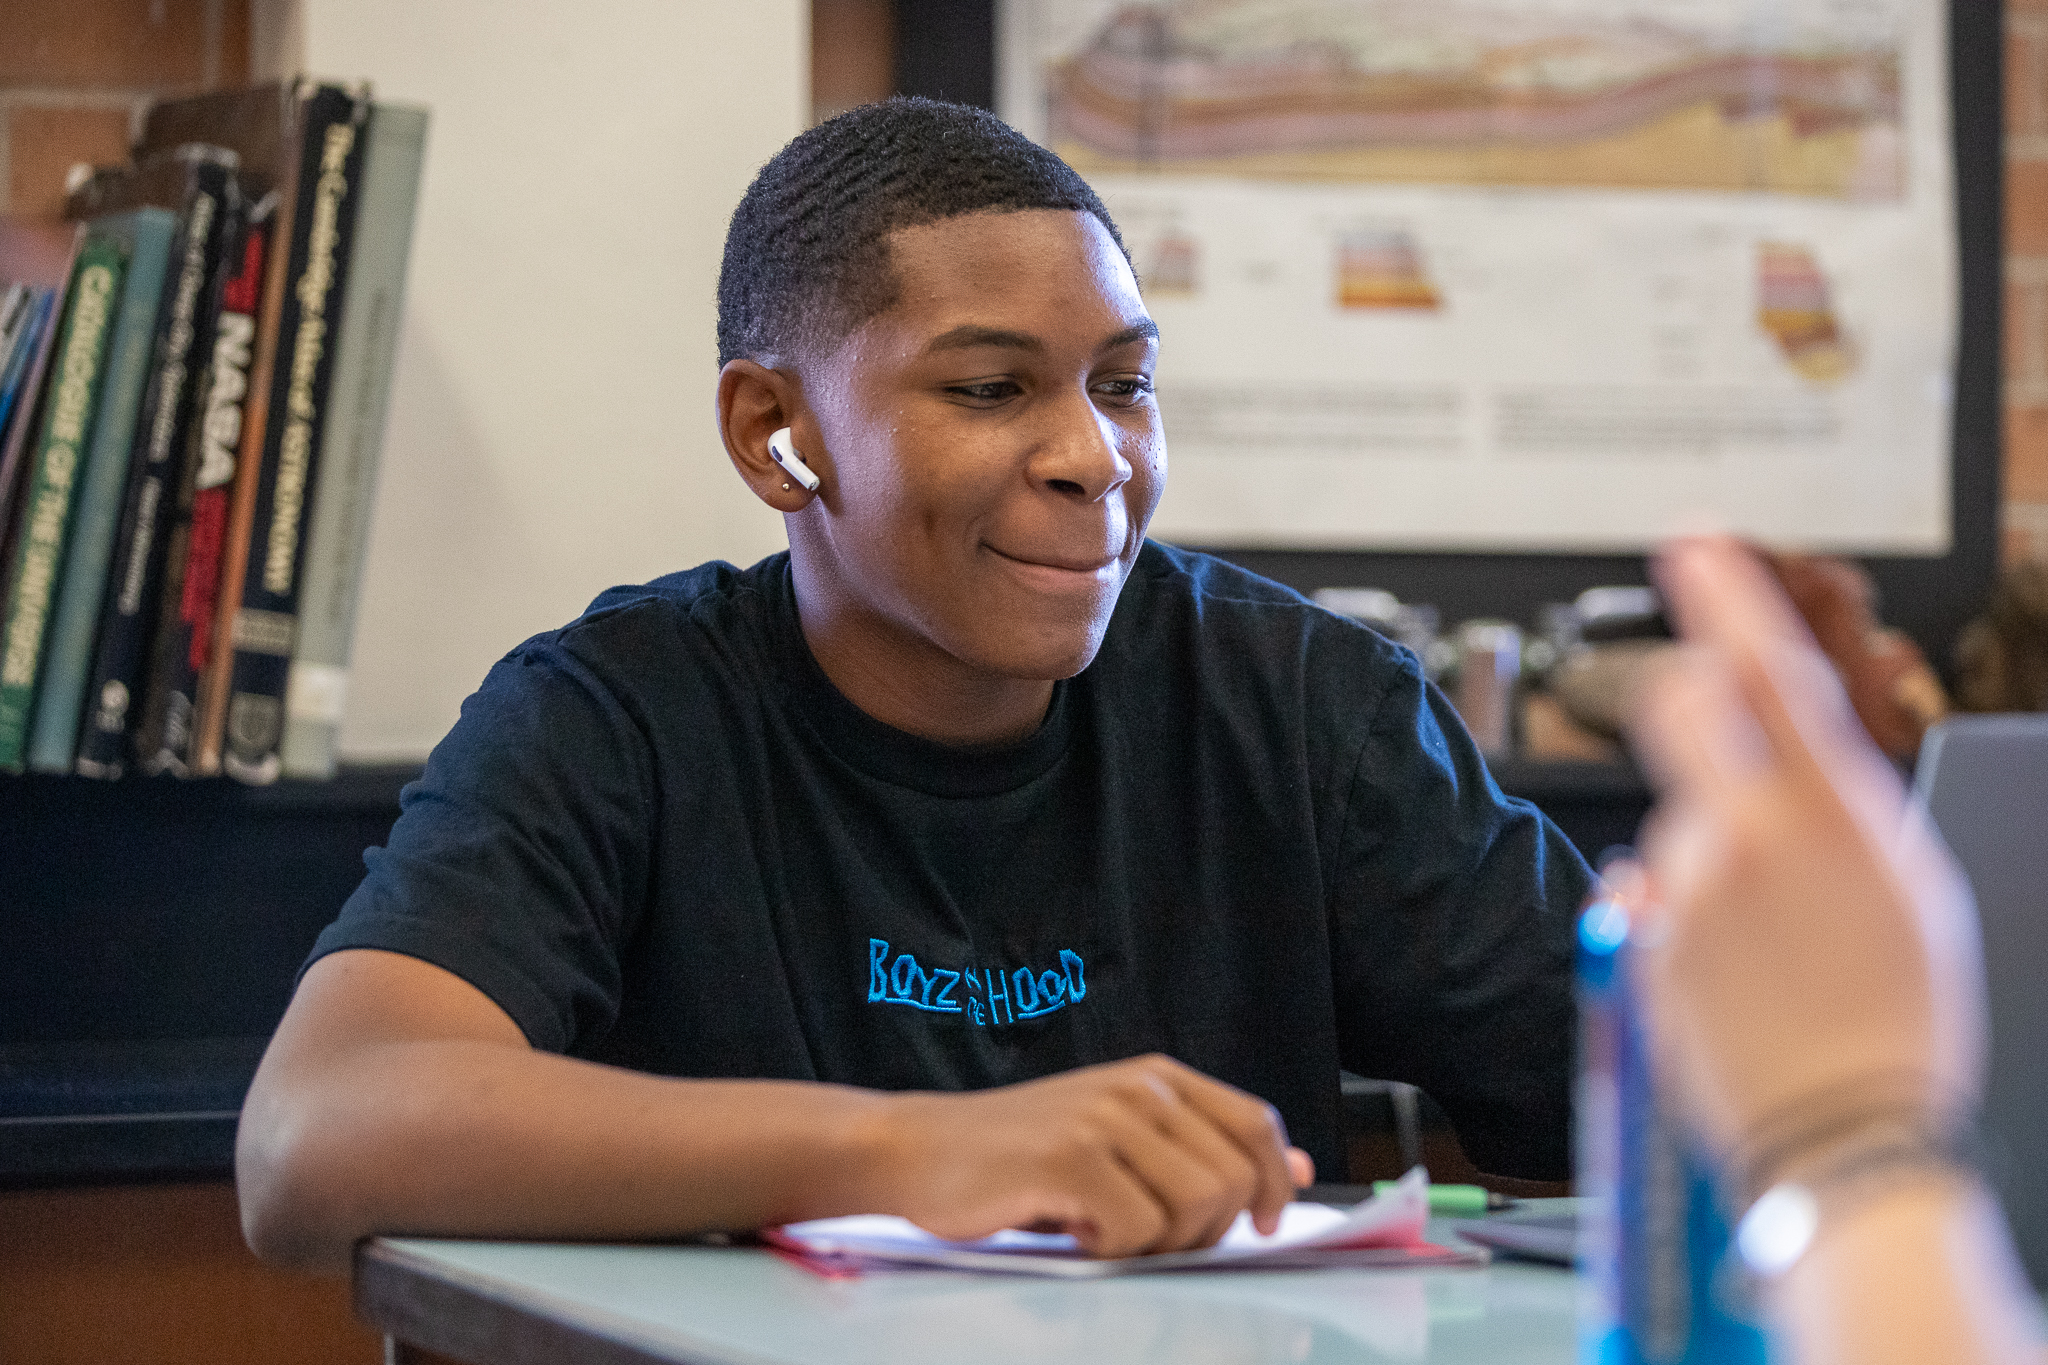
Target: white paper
[1676,260]
[1386,1229]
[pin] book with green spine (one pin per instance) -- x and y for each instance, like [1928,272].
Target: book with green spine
[53,738]
[68,412]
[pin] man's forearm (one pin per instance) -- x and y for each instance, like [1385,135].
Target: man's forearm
[397,1098]
[1926,1273]
[480,1138]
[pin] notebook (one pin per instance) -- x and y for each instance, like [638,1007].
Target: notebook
[1384,1230]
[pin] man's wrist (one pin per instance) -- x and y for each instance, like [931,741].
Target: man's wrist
[1835,1129]
[868,1154]
[1819,1171]
[1870,1213]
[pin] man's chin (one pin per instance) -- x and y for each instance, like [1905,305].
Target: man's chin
[1042,653]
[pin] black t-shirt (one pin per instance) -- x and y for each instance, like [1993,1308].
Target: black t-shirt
[1248,835]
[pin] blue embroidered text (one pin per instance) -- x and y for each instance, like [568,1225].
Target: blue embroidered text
[985,995]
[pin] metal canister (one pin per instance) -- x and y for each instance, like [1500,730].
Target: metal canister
[1489,665]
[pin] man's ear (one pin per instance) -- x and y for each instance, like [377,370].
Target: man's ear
[754,402]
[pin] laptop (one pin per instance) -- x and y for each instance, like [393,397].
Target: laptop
[1549,1237]
[1984,779]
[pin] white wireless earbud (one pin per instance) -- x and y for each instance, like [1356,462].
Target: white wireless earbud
[784,453]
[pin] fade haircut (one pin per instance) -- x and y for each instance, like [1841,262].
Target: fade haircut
[807,254]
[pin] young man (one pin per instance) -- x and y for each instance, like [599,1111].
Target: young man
[976,860]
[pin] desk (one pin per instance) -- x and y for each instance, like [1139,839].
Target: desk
[507,1303]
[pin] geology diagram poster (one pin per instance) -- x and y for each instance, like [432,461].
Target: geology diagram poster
[1525,274]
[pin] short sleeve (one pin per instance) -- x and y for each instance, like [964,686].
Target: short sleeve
[520,856]
[1453,909]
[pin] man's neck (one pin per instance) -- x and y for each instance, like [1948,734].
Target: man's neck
[911,684]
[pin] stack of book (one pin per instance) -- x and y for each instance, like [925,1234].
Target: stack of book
[191,414]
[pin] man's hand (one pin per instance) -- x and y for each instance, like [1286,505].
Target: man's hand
[1138,1156]
[1806,933]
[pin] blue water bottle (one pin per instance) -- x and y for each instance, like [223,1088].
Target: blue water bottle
[1658,1285]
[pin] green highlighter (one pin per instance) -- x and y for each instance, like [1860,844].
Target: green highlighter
[1460,1199]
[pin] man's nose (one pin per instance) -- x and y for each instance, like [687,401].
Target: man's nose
[1082,456]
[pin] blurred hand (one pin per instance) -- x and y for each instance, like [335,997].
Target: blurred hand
[1131,1157]
[1805,935]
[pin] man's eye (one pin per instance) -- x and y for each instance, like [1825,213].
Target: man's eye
[1129,389]
[989,391]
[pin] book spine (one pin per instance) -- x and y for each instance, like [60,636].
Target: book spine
[46,510]
[53,744]
[29,395]
[121,643]
[266,619]
[214,687]
[16,311]
[191,584]
[26,361]
[365,348]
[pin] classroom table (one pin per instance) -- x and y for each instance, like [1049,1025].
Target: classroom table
[522,1303]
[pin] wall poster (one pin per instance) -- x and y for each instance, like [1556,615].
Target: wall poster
[1526,274]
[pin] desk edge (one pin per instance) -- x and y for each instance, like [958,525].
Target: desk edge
[480,1319]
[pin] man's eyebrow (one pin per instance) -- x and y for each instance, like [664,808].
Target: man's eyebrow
[1143,330]
[969,335]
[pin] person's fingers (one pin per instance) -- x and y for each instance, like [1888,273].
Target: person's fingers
[1798,705]
[1231,1172]
[1649,932]
[1627,883]
[1193,1112]
[1213,1233]
[1683,845]
[1719,592]
[1116,1212]
[1301,1169]
[1694,735]
[1199,1181]
[1254,1127]
[1725,598]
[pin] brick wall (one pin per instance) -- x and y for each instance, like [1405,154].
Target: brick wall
[2026,280]
[74,74]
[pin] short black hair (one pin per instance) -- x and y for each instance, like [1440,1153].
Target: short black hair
[807,254]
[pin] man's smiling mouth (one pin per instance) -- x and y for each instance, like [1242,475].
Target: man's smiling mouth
[1058,564]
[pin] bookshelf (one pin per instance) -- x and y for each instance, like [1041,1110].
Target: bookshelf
[154,929]
[149,933]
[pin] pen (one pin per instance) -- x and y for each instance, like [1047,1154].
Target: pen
[1466,1199]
